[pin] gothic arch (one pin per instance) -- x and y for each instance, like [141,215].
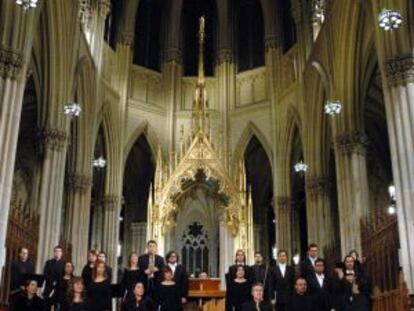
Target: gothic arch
[251,130]
[143,129]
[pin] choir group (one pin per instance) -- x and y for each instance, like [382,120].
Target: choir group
[151,282]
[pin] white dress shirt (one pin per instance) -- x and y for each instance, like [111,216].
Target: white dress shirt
[282,267]
[173,266]
[320,278]
[312,260]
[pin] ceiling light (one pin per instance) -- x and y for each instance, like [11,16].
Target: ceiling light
[389,19]
[300,167]
[27,4]
[333,107]
[99,162]
[72,109]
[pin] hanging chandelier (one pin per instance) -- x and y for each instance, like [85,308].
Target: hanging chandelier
[72,109]
[99,162]
[389,19]
[333,107]
[300,167]
[392,208]
[27,4]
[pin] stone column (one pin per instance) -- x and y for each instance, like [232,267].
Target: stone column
[111,207]
[226,94]
[352,187]
[138,237]
[399,102]
[283,224]
[97,225]
[12,83]
[319,216]
[227,251]
[104,7]
[172,73]
[77,217]
[51,190]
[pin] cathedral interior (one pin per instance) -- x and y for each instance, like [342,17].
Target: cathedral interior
[282,123]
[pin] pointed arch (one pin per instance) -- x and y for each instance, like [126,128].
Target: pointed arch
[143,129]
[251,130]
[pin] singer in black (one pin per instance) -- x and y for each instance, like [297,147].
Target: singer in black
[151,264]
[138,301]
[238,290]
[27,299]
[99,290]
[62,286]
[179,273]
[76,296]
[53,271]
[167,293]
[132,275]
[257,304]
[19,268]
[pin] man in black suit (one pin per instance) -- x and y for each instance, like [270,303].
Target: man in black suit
[19,268]
[320,286]
[53,271]
[151,264]
[180,274]
[257,304]
[307,266]
[300,300]
[283,278]
[262,273]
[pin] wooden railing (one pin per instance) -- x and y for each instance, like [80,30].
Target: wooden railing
[380,244]
[392,300]
[22,230]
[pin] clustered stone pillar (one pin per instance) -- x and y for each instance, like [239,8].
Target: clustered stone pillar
[77,216]
[11,95]
[51,191]
[319,215]
[352,187]
[111,207]
[399,100]
[283,221]
[138,237]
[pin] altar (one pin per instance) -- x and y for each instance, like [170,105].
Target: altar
[206,295]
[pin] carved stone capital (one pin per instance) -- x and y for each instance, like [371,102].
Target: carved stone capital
[104,7]
[400,70]
[127,38]
[351,142]
[78,182]
[224,56]
[271,43]
[11,63]
[173,55]
[318,185]
[111,203]
[282,201]
[53,139]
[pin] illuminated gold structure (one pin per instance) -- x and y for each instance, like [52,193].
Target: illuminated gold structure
[198,154]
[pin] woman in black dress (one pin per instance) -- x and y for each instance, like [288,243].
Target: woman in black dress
[76,296]
[27,299]
[99,290]
[132,275]
[138,301]
[167,293]
[63,284]
[238,290]
[240,261]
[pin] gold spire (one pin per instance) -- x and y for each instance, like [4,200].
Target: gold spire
[200,123]
[201,36]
